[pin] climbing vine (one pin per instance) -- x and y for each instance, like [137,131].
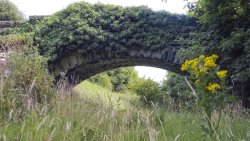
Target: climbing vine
[83,26]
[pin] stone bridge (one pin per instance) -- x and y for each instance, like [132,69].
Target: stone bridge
[84,39]
[103,37]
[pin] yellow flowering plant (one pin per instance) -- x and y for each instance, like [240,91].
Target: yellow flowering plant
[209,83]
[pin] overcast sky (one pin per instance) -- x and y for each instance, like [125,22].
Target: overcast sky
[48,7]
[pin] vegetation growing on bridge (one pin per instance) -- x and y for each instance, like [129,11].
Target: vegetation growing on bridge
[83,26]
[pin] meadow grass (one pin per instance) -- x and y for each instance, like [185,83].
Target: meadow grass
[71,117]
[95,92]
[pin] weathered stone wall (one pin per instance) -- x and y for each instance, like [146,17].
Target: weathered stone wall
[7,24]
[3,63]
[3,68]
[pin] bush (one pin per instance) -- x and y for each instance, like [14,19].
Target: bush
[116,79]
[175,87]
[103,80]
[121,77]
[147,89]
[21,27]
[15,41]
[9,12]
[28,82]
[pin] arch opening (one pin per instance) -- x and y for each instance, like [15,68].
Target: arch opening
[74,67]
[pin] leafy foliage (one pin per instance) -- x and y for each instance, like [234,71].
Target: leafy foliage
[27,83]
[148,90]
[177,88]
[83,26]
[116,79]
[225,31]
[21,28]
[15,41]
[103,80]
[9,12]
[121,77]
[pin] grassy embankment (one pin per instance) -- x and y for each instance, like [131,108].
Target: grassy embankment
[94,92]
[95,116]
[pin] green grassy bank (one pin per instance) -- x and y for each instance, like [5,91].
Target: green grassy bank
[92,117]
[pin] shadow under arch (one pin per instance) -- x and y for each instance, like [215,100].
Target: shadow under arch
[84,65]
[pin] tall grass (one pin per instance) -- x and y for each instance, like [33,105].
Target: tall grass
[118,100]
[70,117]
[92,113]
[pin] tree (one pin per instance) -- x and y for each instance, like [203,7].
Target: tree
[225,30]
[116,79]
[120,77]
[177,88]
[148,90]
[103,80]
[9,12]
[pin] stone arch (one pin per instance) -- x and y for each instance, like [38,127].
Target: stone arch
[86,39]
[85,65]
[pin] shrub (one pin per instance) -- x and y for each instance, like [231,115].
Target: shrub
[176,87]
[28,82]
[9,12]
[121,77]
[147,89]
[103,80]
[15,41]
[115,79]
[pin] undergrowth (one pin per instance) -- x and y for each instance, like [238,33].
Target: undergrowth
[33,110]
[69,117]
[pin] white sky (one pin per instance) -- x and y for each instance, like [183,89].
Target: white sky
[48,7]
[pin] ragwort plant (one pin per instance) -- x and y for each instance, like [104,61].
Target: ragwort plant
[209,82]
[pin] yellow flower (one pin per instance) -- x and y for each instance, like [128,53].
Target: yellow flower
[213,87]
[203,70]
[214,56]
[196,68]
[209,62]
[221,74]
[184,66]
[194,65]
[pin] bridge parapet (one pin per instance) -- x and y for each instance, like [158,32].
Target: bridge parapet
[37,17]
[7,24]
[11,24]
